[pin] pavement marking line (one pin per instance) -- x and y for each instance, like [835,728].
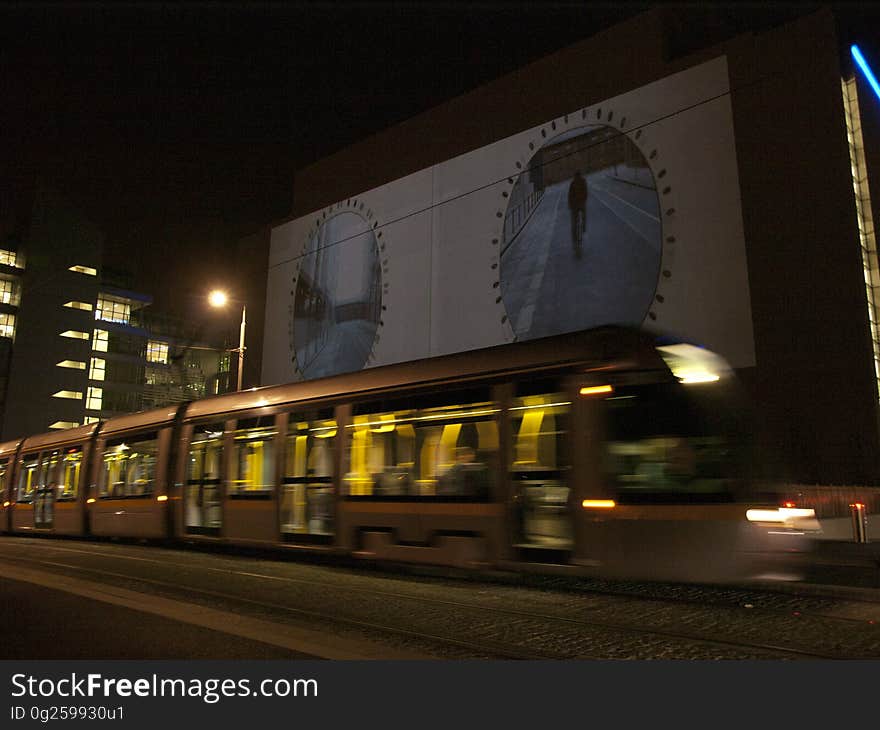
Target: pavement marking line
[225,571]
[623,220]
[307,641]
[123,556]
[605,190]
[284,579]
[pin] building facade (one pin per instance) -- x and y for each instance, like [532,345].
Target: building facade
[75,345]
[728,204]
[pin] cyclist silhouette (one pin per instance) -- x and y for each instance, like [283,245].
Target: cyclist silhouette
[577,206]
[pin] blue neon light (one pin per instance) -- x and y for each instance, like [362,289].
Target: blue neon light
[863,64]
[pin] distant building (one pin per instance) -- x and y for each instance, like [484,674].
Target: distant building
[76,346]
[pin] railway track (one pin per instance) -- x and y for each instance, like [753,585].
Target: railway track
[470,622]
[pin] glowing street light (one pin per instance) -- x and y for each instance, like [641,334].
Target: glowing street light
[219,299]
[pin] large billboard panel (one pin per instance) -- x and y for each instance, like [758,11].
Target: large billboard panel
[624,212]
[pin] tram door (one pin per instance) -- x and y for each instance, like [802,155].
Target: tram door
[308,501]
[45,491]
[4,484]
[203,499]
[540,473]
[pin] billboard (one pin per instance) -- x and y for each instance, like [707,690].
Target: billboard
[623,212]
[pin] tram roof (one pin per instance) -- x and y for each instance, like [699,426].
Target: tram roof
[57,439]
[605,347]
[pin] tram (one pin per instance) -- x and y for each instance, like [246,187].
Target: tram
[602,452]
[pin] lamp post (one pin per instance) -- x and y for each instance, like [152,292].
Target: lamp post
[219,299]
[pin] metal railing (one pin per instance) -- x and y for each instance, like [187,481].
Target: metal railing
[832,501]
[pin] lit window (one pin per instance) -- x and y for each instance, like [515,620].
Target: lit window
[8,292]
[71,394]
[432,451]
[84,270]
[129,467]
[90,419]
[75,334]
[94,399]
[7,325]
[85,306]
[113,311]
[64,424]
[73,364]
[157,352]
[98,368]
[9,258]
[101,340]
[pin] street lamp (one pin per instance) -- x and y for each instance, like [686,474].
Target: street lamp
[219,299]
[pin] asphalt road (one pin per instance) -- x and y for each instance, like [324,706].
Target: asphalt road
[66,599]
[45,623]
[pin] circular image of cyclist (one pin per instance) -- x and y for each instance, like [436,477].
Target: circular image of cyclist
[582,236]
[338,297]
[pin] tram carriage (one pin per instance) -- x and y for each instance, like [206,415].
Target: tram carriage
[600,452]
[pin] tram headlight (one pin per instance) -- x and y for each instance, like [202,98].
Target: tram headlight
[801,518]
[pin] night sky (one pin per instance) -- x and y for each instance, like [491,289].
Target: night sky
[177,129]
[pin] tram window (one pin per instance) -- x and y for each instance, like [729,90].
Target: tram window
[4,468]
[68,476]
[28,477]
[540,427]
[254,457]
[540,460]
[307,502]
[205,452]
[662,445]
[129,468]
[308,450]
[49,467]
[429,450]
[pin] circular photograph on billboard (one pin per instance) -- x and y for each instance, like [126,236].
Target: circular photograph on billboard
[582,237]
[337,302]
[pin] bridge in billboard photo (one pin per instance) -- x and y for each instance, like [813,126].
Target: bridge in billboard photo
[549,286]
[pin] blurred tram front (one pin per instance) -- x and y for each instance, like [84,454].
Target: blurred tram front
[673,475]
[640,468]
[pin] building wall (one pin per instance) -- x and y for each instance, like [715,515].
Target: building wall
[813,378]
[58,238]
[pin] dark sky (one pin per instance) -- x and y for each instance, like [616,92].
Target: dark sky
[177,129]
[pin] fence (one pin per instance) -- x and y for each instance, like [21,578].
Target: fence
[831,501]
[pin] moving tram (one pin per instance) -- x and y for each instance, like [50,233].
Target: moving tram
[602,452]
